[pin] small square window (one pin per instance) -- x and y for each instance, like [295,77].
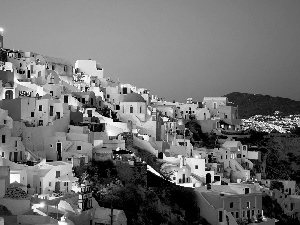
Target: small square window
[196,167]
[32,114]
[79,148]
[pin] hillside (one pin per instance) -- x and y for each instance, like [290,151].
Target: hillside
[257,104]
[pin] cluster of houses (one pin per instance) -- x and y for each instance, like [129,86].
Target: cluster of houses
[55,116]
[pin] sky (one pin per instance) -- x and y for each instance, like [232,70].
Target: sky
[176,49]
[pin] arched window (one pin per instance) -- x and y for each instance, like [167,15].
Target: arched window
[131,109]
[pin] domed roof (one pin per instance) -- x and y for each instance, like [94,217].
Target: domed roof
[133,97]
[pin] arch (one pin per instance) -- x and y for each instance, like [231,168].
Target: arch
[9,94]
[208,178]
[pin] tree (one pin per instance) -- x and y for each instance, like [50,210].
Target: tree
[276,185]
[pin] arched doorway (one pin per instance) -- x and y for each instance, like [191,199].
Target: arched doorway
[208,178]
[9,94]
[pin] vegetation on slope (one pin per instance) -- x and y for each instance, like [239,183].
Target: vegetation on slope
[161,203]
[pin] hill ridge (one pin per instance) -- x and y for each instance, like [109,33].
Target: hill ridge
[259,104]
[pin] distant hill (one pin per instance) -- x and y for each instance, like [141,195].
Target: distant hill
[257,104]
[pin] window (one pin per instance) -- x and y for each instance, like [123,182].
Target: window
[246,190]
[49,184]
[3,138]
[65,184]
[220,216]
[215,105]
[4,121]
[78,148]
[2,154]
[117,107]
[107,96]
[53,67]
[258,211]
[40,122]
[40,108]
[131,109]
[196,167]
[51,93]
[248,205]
[65,68]
[83,100]
[16,143]
[231,205]
[140,109]
[244,213]
[51,146]
[174,178]
[252,212]
[32,114]
[57,174]
[236,214]
[238,156]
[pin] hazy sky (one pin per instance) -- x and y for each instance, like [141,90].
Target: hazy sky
[177,49]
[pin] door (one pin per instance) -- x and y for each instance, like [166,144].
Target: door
[58,115]
[58,150]
[66,99]
[57,186]
[183,178]
[248,214]
[51,110]
[15,157]
[81,161]
[9,94]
